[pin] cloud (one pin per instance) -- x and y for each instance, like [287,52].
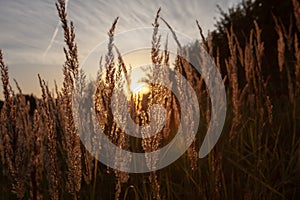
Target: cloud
[30,30]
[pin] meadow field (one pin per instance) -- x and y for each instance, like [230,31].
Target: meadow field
[256,157]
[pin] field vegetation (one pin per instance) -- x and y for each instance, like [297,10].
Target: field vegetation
[257,156]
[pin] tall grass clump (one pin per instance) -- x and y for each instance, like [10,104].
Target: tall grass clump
[257,156]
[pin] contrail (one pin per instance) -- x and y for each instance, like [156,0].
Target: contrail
[54,34]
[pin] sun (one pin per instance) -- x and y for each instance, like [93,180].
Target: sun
[139,88]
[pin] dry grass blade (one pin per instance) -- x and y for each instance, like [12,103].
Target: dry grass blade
[124,69]
[280,44]
[297,67]
[156,59]
[5,81]
[296,6]
[109,58]
[232,71]
[173,33]
[202,36]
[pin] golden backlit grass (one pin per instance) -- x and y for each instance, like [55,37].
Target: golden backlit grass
[256,157]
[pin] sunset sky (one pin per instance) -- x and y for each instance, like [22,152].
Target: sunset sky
[32,40]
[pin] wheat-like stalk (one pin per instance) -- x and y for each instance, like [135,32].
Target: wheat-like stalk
[70,69]
[297,66]
[232,71]
[280,44]
[296,6]
[51,163]
[14,134]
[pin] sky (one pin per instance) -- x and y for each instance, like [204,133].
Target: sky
[32,40]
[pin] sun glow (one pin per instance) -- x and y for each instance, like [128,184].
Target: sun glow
[139,88]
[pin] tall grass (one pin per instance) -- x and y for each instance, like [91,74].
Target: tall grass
[256,158]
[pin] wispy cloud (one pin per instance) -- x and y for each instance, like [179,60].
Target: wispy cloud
[30,33]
